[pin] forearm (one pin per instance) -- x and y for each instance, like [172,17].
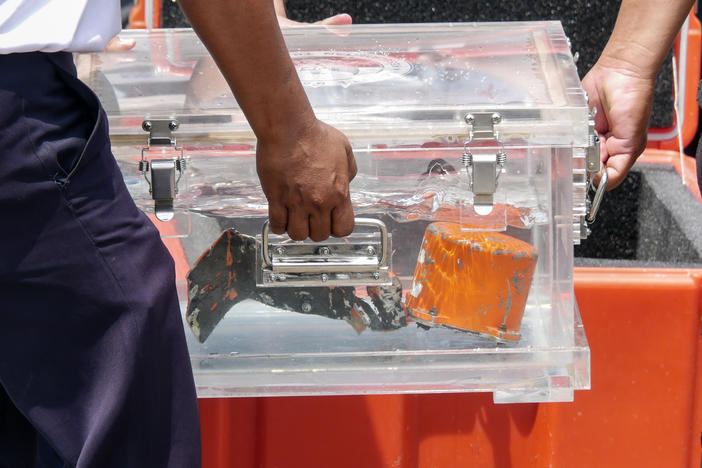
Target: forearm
[246,43]
[643,34]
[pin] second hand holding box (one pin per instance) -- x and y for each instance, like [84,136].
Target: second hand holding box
[474,145]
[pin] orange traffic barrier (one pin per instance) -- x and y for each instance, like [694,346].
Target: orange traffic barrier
[472,280]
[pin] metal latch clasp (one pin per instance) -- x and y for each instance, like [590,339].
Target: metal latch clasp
[483,163]
[593,166]
[160,173]
[354,261]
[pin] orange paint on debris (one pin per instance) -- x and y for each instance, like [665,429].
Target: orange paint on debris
[230,256]
[472,280]
[231,294]
[356,321]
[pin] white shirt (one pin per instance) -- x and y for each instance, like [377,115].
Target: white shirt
[57,25]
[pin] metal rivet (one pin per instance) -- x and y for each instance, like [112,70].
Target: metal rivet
[281,277]
[173,125]
[325,277]
[469,119]
[146,125]
[324,251]
[496,118]
[370,250]
[376,275]
[306,307]
[280,250]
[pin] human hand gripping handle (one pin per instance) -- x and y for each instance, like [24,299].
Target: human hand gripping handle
[620,85]
[306,177]
[621,100]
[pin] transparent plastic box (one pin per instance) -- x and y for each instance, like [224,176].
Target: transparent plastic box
[483,126]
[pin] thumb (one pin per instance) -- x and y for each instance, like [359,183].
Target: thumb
[117,44]
[336,20]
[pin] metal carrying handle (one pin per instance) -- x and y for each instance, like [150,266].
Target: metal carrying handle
[599,194]
[368,222]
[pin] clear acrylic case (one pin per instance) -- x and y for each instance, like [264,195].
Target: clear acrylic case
[481,125]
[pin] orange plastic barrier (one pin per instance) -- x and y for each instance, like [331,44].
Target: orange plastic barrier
[644,410]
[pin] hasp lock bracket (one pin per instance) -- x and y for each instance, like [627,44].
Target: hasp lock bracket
[484,158]
[160,169]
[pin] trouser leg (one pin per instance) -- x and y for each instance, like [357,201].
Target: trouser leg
[18,439]
[92,340]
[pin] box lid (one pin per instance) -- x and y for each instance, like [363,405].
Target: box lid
[368,80]
[415,88]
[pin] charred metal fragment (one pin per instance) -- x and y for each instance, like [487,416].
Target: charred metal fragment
[225,275]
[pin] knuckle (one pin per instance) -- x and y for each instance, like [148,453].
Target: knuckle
[317,200]
[341,194]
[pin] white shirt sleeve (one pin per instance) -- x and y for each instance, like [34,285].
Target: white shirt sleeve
[57,25]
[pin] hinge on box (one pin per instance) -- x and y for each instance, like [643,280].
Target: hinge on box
[160,173]
[592,167]
[483,163]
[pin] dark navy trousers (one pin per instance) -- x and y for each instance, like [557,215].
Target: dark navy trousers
[92,346]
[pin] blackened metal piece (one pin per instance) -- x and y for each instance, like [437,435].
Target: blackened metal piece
[224,275]
[387,301]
